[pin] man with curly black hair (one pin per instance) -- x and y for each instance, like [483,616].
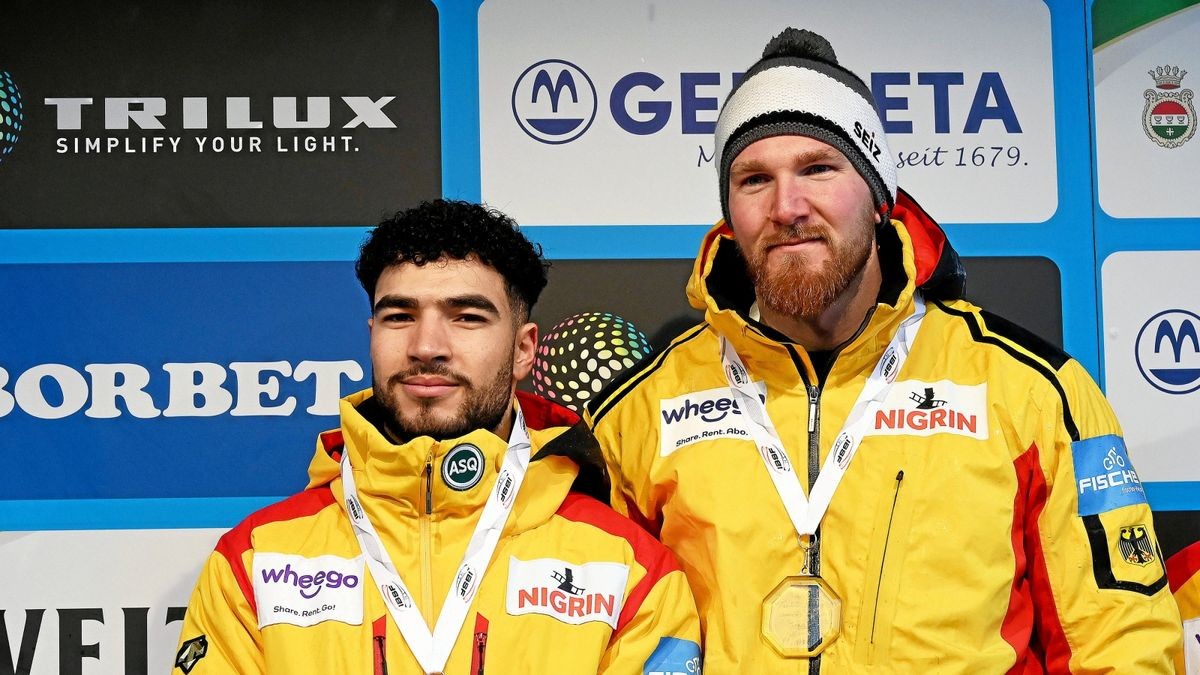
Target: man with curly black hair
[445,524]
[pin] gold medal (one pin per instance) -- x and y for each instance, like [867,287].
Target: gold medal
[801,616]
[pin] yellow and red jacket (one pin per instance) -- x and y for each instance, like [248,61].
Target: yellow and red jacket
[286,591]
[990,522]
[1183,569]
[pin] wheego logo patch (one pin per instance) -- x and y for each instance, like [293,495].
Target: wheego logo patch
[309,585]
[1168,351]
[918,408]
[462,469]
[554,101]
[1104,476]
[701,416]
[1191,646]
[574,594]
[674,656]
[300,591]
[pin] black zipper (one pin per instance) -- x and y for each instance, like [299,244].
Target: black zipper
[480,650]
[883,558]
[814,445]
[380,656]
[814,467]
[428,488]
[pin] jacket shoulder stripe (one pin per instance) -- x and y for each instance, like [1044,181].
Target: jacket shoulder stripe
[1184,565]
[649,553]
[237,541]
[1028,340]
[627,381]
[981,331]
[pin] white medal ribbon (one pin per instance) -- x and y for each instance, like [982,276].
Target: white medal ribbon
[433,649]
[806,513]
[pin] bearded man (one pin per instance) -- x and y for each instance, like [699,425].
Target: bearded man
[859,470]
[444,528]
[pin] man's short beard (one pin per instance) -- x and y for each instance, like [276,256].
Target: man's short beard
[482,408]
[790,288]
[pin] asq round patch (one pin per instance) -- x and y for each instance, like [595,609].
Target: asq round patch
[462,468]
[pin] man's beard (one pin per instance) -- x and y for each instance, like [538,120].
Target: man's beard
[481,408]
[789,286]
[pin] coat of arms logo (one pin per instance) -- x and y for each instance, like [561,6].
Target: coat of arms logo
[1169,117]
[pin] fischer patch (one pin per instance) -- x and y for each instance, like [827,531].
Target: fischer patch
[701,416]
[674,656]
[1104,477]
[917,408]
[574,594]
[299,591]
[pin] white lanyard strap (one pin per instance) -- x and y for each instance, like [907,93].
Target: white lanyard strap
[806,513]
[433,649]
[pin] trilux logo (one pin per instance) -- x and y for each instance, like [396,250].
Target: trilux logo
[305,582]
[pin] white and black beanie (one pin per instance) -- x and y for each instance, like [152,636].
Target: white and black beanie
[798,88]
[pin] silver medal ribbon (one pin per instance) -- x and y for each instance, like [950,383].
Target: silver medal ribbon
[806,512]
[433,649]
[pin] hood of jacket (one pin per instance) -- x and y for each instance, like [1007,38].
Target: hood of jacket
[408,475]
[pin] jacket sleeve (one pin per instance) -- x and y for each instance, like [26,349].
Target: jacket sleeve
[629,457]
[220,630]
[1098,582]
[659,631]
[1183,570]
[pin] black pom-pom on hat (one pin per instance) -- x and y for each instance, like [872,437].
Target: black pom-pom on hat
[800,43]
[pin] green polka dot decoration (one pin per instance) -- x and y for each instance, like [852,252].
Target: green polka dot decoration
[12,115]
[582,353]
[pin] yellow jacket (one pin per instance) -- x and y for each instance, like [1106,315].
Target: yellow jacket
[286,592]
[1183,569]
[958,540]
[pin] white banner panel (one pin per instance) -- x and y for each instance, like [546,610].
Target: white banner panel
[602,112]
[1152,358]
[1147,150]
[102,601]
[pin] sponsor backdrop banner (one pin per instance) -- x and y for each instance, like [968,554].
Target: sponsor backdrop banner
[130,113]
[1152,357]
[174,380]
[1147,224]
[117,609]
[180,319]
[1146,122]
[969,107]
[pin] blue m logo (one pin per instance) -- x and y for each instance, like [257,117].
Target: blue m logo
[1168,351]
[541,82]
[554,101]
[1187,331]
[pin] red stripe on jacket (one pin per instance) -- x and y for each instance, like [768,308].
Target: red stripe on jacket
[1031,602]
[239,540]
[649,553]
[1183,566]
